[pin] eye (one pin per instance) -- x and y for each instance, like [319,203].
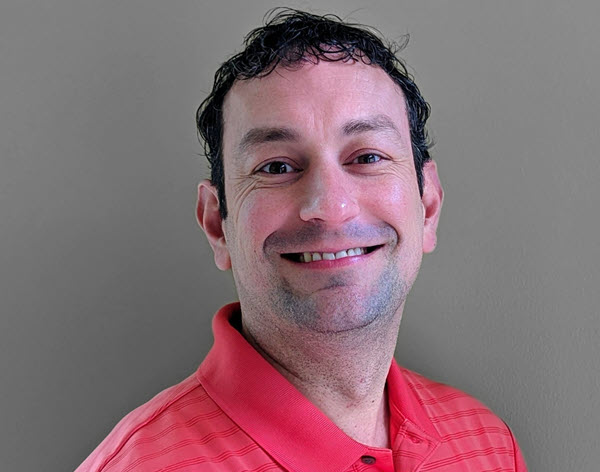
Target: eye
[277,167]
[369,158]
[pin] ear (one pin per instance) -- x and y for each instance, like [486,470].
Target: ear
[433,196]
[209,219]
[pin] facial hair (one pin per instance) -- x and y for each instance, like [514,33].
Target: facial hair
[342,303]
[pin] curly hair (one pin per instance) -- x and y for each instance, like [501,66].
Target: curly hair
[288,39]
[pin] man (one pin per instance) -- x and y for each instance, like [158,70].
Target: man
[322,200]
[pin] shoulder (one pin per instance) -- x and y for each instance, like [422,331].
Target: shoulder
[443,403]
[177,420]
[469,430]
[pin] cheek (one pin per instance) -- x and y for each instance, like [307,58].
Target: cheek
[262,204]
[260,214]
[397,201]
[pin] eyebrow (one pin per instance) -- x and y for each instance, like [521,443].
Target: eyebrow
[373,123]
[258,136]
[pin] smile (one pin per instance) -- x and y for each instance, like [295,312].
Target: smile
[329,256]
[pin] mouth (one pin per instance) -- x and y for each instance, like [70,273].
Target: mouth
[305,257]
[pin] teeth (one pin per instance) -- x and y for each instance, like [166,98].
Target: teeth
[330,256]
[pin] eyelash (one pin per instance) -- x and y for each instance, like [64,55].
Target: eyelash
[262,169]
[369,155]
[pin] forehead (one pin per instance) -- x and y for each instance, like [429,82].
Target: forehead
[314,99]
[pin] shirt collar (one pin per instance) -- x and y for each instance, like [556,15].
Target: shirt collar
[279,418]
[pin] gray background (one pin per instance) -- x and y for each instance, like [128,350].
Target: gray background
[107,286]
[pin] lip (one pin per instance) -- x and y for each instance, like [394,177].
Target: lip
[336,263]
[333,249]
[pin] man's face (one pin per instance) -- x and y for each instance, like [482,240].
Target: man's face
[325,226]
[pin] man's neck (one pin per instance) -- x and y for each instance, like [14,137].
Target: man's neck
[344,376]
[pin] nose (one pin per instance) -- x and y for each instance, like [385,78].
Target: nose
[329,196]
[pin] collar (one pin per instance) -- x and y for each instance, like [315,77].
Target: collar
[282,421]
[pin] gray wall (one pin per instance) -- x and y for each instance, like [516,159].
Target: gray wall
[107,286]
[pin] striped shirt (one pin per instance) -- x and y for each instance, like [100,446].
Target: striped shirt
[237,413]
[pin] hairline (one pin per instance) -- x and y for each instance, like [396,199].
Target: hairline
[359,56]
[417,109]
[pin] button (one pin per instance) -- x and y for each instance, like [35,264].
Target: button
[368,459]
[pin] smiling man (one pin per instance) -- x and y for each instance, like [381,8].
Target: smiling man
[322,200]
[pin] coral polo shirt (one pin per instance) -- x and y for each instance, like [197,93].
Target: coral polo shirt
[237,413]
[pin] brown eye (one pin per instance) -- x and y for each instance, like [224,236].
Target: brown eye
[277,168]
[367,159]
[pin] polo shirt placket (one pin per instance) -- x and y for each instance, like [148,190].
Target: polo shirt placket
[295,432]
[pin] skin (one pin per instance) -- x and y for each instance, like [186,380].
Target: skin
[318,159]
